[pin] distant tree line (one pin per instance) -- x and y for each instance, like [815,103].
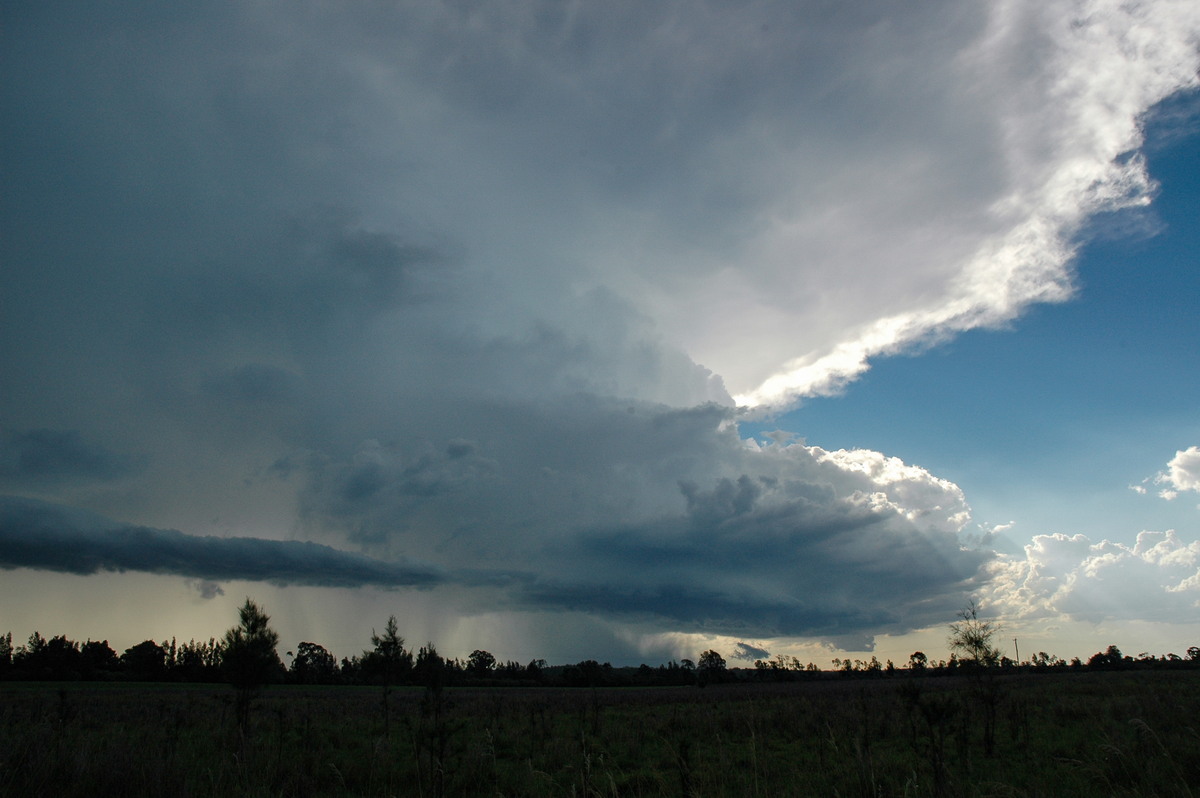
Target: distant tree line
[246,656]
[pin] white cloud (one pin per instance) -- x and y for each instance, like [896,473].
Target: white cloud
[1182,474]
[1060,89]
[1156,579]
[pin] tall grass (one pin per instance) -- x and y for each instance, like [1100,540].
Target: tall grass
[1074,734]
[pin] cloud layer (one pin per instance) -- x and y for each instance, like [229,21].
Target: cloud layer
[54,538]
[802,541]
[338,289]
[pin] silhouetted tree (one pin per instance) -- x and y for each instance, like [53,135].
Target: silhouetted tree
[535,670]
[388,661]
[430,669]
[6,653]
[973,636]
[145,662]
[710,669]
[98,660]
[480,663]
[199,662]
[917,662]
[55,659]
[248,657]
[25,657]
[1110,658]
[313,665]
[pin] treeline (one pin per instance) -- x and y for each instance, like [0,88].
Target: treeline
[389,661]
[782,668]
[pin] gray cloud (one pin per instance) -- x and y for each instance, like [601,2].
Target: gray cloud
[472,286]
[207,588]
[51,456]
[600,509]
[49,537]
[748,653]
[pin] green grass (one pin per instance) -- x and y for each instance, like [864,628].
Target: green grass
[1124,734]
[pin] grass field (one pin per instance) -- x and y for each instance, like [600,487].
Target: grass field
[1085,734]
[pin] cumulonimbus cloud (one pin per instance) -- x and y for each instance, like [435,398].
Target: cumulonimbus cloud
[476,287]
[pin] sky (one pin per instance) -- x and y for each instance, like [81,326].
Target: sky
[612,331]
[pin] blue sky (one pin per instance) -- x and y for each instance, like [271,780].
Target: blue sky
[465,314]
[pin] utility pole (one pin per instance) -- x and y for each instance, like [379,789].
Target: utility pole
[1018,652]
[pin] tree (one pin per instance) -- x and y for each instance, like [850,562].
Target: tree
[145,662]
[6,652]
[25,657]
[57,658]
[481,663]
[248,657]
[313,664]
[917,661]
[711,668]
[430,669]
[199,662]
[98,659]
[389,661]
[973,637]
[1111,658]
[535,670]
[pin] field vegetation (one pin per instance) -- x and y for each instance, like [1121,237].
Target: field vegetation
[1068,733]
[198,720]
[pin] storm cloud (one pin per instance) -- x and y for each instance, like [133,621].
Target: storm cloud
[459,296]
[795,544]
[50,456]
[48,537]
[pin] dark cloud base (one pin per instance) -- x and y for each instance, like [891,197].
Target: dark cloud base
[49,537]
[43,536]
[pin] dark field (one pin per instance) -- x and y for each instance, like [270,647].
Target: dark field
[1063,734]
